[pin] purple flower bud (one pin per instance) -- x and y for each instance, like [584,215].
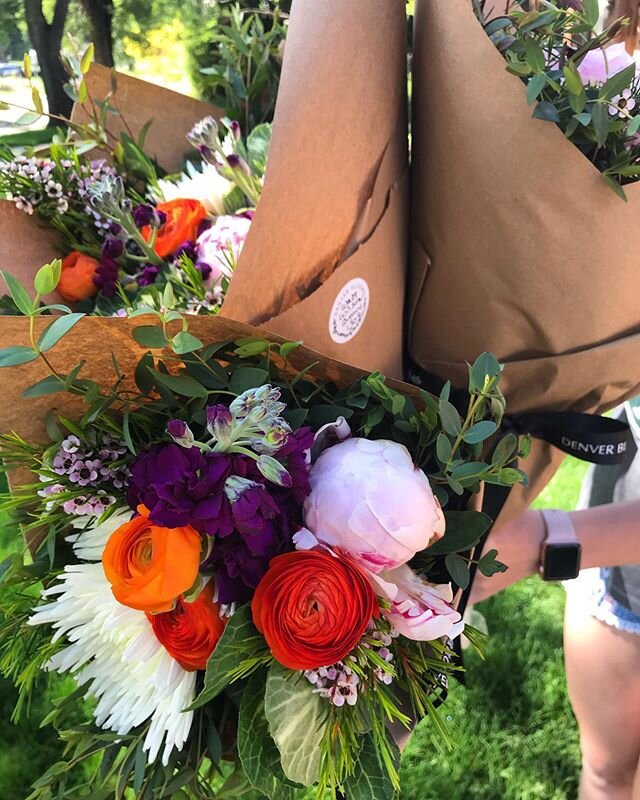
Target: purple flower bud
[219,422]
[274,471]
[237,162]
[148,275]
[180,432]
[235,130]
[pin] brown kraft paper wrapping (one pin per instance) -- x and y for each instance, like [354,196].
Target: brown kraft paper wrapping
[325,257]
[518,245]
[325,260]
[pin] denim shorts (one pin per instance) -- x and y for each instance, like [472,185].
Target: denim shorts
[604,607]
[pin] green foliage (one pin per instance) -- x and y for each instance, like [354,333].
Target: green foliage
[236,53]
[297,717]
[545,48]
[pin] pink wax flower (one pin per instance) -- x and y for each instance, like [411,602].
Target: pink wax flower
[219,247]
[599,65]
[371,502]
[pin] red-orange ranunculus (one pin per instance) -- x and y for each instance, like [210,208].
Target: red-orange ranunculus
[76,279]
[149,567]
[313,608]
[191,631]
[183,221]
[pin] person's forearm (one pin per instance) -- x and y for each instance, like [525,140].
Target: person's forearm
[609,536]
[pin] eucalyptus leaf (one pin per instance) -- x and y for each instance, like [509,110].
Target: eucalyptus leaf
[480,432]
[184,342]
[19,294]
[458,568]
[247,378]
[184,385]
[16,355]
[451,422]
[49,385]
[150,336]
[489,565]
[60,326]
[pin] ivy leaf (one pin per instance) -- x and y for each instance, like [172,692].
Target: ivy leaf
[60,326]
[297,718]
[370,780]
[228,653]
[458,568]
[258,753]
[488,565]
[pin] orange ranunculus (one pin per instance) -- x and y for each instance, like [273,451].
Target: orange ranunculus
[183,220]
[147,566]
[191,631]
[76,279]
[313,608]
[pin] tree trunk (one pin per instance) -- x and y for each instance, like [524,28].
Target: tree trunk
[46,39]
[100,14]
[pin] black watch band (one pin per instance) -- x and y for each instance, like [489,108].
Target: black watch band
[560,553]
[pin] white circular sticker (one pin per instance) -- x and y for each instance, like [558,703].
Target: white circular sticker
[349,311]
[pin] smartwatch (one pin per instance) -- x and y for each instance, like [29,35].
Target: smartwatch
[560,553]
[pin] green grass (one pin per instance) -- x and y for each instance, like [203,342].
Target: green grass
[515,736]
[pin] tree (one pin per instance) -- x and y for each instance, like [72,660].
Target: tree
[46,38]
[100,15]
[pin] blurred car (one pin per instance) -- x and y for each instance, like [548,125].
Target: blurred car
[11,71]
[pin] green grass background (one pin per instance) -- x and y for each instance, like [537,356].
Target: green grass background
[514,732]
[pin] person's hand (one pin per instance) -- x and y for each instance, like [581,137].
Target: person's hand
[518,543]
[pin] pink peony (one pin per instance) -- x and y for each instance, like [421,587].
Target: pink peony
[419,610]
[219,247]
[369,500]
[599,65]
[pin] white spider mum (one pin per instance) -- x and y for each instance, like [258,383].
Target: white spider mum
[206,185]
[113,648]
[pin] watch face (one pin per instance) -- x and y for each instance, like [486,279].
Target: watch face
[561,562]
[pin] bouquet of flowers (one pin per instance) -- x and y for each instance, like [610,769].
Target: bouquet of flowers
[584,81]
[513,223]
[126,228]
[245,552]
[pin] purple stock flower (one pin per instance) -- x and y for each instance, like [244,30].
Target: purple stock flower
[181,486]
[145,214]
[106,276]
[187,249]
[226,496]
[149,275]
[112,247]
